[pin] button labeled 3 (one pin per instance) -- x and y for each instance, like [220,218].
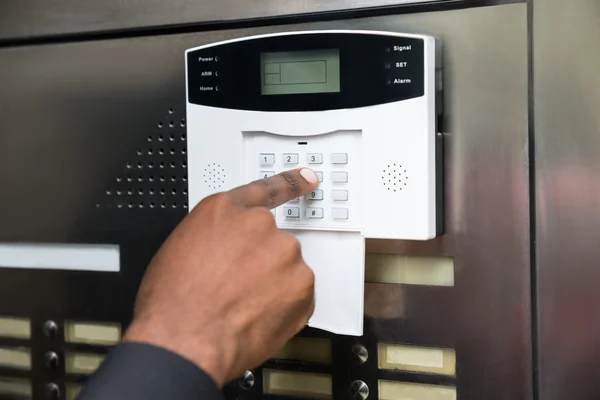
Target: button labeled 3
[314,158]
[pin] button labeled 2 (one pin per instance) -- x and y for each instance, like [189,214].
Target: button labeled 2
[290,158]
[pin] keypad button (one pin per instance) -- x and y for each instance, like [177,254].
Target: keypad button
[339,177]
[319,176]
[291,212]
[314,213]
[266,174]
[273,212]
[339,158]
[266,159]
[294,201]
[290,158]
[316,194]
[339,213]
[314,158]
[339,195]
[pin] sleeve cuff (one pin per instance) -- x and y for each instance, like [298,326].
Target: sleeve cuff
[143,371]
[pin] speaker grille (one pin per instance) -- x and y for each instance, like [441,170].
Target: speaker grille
[156,176]
[214,176]
[394,177]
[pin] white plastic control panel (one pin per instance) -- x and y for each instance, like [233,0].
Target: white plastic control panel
[375,155]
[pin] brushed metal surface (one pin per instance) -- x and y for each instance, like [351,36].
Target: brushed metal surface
[19,19]
[567,153]
[71,115]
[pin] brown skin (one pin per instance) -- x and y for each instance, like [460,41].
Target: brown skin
[227,288]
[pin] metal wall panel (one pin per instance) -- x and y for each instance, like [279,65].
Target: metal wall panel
[33,18]
[74,116]
[567,154]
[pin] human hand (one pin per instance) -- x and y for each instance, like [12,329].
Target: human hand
[227,288]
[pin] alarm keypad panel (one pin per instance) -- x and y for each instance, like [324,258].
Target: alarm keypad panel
[356,107]
[335,157]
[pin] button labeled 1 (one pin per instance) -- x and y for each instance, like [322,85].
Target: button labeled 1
[266,159]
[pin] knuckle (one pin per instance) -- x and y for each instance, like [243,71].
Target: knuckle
[219,200]
[308,277]
[291,245]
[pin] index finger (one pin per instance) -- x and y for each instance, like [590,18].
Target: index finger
[276,190]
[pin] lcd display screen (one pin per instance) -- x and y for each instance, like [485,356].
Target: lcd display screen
[294,72]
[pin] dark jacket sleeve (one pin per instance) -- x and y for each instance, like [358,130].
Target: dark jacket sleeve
[141,371]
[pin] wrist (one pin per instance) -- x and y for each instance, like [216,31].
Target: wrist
[208,352]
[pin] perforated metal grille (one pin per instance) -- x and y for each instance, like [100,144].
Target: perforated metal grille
[156,176]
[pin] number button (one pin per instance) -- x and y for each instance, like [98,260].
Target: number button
[314,213]
[319,176]
[315,158]
[290,158]
[266,174]
[291,212]
[266,159]
[316,194]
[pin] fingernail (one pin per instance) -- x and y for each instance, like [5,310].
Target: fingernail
[309,175]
